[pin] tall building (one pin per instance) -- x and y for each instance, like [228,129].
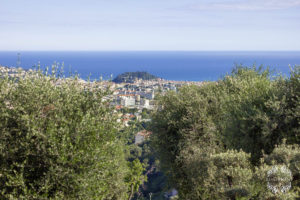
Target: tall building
[127,100]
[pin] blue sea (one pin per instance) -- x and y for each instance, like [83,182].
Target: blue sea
[176,65]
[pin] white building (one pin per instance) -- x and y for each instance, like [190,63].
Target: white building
[145,103]
[141,136]
[147,95]
[127,101]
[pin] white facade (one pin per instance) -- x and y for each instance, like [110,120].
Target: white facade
[145,103]
[128,101]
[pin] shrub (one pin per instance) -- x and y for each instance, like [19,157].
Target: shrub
[211,139]
[58,140]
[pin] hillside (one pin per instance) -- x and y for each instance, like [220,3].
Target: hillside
[130,77]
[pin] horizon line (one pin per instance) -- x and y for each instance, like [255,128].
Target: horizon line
[77,50]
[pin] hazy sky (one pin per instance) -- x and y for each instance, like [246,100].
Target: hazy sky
[149,24]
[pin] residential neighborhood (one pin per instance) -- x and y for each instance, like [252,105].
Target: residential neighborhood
[131,101]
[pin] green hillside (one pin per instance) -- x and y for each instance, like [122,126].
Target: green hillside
[130,77]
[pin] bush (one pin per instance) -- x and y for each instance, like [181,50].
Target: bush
[260,111]
[59,140]
[211,139]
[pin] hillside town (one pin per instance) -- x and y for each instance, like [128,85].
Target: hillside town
[138,95]
[138,98]
[131,101]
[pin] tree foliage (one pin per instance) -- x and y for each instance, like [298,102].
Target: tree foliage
[59,140]
[216,141]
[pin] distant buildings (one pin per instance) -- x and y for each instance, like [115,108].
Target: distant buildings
[141,136]
[138,95]
[126,100]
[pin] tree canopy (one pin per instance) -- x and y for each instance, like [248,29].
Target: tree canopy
[60,140]
[218,141]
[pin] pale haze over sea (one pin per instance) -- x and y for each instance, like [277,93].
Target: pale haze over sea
[173,39]
[122,25]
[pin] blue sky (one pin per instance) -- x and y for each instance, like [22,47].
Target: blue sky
[150,25]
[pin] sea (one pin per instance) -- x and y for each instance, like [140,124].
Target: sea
[170,65]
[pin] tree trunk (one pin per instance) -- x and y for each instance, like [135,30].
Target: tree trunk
[131,193]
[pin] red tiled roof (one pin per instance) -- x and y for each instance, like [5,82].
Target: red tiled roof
[118,107]
[144,133]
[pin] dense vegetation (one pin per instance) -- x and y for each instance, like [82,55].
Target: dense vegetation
[60,140]
[156,185]
[130,77]
[219,141]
